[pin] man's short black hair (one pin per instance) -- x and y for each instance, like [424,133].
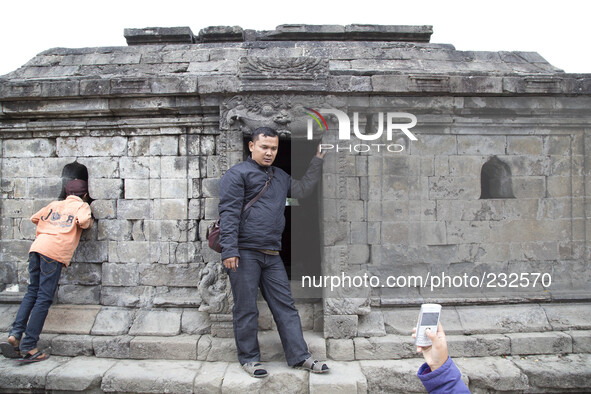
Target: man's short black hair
[265,131]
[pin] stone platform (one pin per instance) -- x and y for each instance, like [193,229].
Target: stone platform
[508,348]
[529,374]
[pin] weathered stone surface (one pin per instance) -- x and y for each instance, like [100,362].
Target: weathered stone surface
[72,345]
[347,300]
[37,147]
[81,274]
[392,376]
[581,341]
[478,345]
[113,321]
[316,344]
[270,344]
[403,320]
[384,348]
[540,343]
[573,316]
[7,315]
[120,274]
[212,348]
[281,379]
[170,275]
[151,376]
[209,379]
[80,295]
[492,373]
[195,322]
[176,297]
[180,347]
[79,374]
[133,209]
[342,378]
[340,349]
[90,252]
[105,189]
[71,319]
[13,377]
[216,349]
[91,146]
[501,319]
[157,322]
[104,209]
[371,325]
[112,346]
[340,326]
[546,373]
[130,252]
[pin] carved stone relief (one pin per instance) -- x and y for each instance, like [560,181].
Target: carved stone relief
[302,68]
[214,289]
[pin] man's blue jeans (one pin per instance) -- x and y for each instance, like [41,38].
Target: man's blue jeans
[44,275]
[256,269]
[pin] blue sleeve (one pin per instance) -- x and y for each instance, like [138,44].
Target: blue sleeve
[230,210]
[445,379]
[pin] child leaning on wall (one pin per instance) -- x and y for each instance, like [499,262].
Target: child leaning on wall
[59,227]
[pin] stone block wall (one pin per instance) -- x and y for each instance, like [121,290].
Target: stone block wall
[154,192]
[421,213]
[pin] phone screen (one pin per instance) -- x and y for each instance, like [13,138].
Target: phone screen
[429,319]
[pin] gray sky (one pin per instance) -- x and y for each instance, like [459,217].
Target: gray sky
[556,30]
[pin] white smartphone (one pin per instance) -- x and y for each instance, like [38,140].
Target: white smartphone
[428,318]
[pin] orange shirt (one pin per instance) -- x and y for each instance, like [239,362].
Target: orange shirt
[59,226]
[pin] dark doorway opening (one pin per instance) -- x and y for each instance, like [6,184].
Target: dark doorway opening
[495,180]
[70,172]
[300,240]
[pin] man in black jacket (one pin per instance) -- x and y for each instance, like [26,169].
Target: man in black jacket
[251,241]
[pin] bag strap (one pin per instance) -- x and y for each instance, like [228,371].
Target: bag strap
[267,183]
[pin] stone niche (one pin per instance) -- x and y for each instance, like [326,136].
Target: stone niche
[489,204]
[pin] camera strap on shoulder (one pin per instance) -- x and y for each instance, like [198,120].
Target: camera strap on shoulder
[264,189]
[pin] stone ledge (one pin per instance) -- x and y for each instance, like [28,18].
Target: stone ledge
[492,373]
[540,343]
[79,374]
[170,348]
[157,35]
[337,81]
[71,319]
[354,32]
[389,347]
[151,376]
[556,373]
[482,374]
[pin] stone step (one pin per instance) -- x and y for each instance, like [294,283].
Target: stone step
[169,322]
[183,334]
[539,374]
[389,347]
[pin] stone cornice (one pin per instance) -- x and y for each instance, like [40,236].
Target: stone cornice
[401,84]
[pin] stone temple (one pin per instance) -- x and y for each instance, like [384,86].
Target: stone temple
[457,177]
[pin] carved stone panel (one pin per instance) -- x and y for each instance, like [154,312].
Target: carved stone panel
[283,68]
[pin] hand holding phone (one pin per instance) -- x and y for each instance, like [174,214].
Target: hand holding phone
[428,319]
[435,355]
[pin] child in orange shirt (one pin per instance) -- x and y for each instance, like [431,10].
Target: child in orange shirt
[59,227]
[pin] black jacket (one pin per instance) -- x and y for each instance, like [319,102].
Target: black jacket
[261,226]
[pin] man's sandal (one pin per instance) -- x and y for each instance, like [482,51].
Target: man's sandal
[312,365]
[255,369]
[9,351]
[33,358]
